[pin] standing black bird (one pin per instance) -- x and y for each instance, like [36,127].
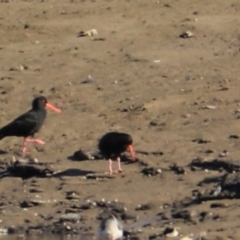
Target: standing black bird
[29,123]
[112,145]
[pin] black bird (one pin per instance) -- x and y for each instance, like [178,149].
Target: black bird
[29,123]
[112,145]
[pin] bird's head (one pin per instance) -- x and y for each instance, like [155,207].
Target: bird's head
[41,102]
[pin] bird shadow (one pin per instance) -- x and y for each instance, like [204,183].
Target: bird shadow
[72,172]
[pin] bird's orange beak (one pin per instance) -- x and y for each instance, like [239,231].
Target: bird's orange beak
[51,107]
[131,150]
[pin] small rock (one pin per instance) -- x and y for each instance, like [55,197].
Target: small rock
[90,33]
[151,171]
[82,155]
[233,136]
[128,216]
[210,107]
[9,230]
[19,68]
[218,205]
[224,153]
[201,141]
[186,238]
[32,203]
[89,79]
[177,169]
[72,195]
[88,205]
[70,217]
[182,214]
[187,34]
[170,232]
[144,207]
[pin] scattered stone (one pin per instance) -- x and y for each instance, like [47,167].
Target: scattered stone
[227,187]
[219,165]
[211,107]
[3,231]
[233,136]
[82,155]
[71,195]
[19,68]
[144,207]
[32,203]
[90,33]
[177,169]
[128,216]
[218,205]
[170,232]
[24,160]
[187,34]
[71,217]
[99,39]
[224,153]
[153,123]
[116,207]
[186,238]
[200,141]
[89,79]
[183,214]
[157,153]
[209,151]
[34,232]
[151,171]
[88,205]
[36,190]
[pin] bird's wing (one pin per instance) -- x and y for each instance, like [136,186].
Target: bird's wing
[23,123]
[117,222]
[27,120]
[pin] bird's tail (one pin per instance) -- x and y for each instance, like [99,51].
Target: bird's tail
[2,135]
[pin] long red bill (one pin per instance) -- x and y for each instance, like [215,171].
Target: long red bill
[50,106]
[131,150]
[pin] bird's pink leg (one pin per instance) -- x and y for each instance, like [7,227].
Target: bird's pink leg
[34,140]
[119,165]
[24,148]
[110,171]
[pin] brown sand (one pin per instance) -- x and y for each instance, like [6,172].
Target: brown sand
[191,74]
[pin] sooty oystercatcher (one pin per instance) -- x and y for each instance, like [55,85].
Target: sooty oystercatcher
[110,229]
[112,145]
[29,123]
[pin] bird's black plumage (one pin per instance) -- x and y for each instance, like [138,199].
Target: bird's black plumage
[28,123]
[112,144]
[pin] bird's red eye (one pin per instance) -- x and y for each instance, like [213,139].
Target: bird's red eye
[44,101]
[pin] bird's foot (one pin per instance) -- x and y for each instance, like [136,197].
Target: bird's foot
[114,172]
[39,141]
[118,171]
[35,140]
[109,172]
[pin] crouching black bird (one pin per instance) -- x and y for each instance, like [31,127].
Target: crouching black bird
[112,145]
